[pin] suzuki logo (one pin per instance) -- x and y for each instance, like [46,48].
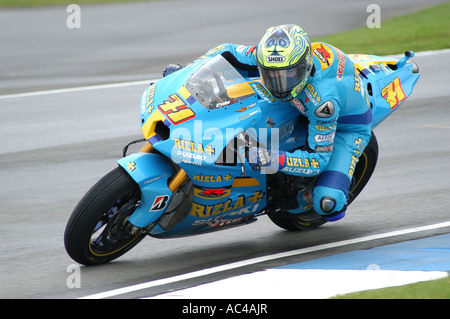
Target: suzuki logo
[214,192]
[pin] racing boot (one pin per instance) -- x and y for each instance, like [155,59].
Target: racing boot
[304,200]
[327,205]
[305,213]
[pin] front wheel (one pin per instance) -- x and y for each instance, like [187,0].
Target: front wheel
[310,219]
[98,230]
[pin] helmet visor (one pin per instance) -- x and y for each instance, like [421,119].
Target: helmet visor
[280,82]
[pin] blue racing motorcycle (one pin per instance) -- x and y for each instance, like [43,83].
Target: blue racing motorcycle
[193,175]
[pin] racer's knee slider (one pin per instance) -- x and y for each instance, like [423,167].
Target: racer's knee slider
[327,204]
[328,200]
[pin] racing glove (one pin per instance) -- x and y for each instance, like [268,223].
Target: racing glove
[263,159]
[173,67]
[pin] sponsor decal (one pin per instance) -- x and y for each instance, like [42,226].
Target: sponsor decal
[275,59]
[299,170]
[231,207]
[282,160]
[245,108]
[152,180]
[131,166]
[341,65]
[299,106]
[251,51]
[355,157]
[324,138]
[325,127]
[191,155]
[263,92]
[294,162]
[150,96]
[218,222]
[326,122]
[325,110]
[393,93]
[358,82]
[176,110]
[189,150]
[212,178]
[324,148]
[159,203]
[212,193]
[324,54]
[147,99]
[311,94]
[248,115]
[193,147]
[223,104]
[301,162]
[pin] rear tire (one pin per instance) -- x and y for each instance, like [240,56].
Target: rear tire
[312,220]
[98,230]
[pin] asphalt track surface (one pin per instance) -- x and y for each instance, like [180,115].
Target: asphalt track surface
[55,145]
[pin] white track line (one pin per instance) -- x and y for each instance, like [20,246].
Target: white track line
[204,272]
[77,89]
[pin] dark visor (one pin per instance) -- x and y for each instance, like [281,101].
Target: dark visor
[281,82]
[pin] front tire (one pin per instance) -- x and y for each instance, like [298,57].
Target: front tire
[310,219]
[98,230]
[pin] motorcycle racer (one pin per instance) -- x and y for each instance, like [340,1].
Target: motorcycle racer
[320,81]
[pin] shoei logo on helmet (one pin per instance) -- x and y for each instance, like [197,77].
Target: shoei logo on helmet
[275,59]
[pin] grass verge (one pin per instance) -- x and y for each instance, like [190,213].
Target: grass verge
[433,289]
[427,29]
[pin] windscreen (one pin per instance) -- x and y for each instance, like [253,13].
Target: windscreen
[217,84]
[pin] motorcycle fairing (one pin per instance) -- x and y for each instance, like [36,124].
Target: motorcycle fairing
[389,82]
[151,172]
[235,201]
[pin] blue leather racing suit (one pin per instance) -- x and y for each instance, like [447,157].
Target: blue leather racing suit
[337,108]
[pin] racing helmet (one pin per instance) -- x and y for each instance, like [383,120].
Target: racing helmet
[284,60]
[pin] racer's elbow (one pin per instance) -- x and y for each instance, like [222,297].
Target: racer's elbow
[321,159]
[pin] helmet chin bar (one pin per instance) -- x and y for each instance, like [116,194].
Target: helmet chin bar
[281,95]
[286,96]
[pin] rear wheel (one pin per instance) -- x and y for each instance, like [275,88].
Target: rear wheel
[98,230]
[311,219]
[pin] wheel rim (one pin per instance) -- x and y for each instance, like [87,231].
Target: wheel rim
[113,232]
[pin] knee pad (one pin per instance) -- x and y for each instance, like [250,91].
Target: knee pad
[328,201]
